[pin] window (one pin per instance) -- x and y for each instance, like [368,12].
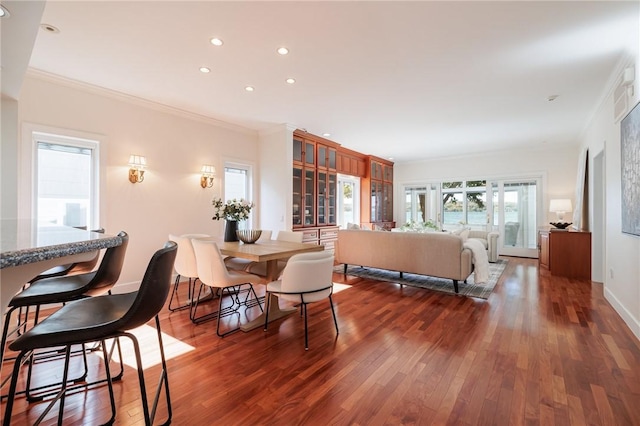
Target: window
[421,204]
[464,202]
[237,182]
[66,180]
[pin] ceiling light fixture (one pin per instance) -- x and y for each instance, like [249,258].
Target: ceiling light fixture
[205,70]
[49,28]
[326,135]
[283,50]
[552,98]
[4,12]
[249,89]
[290,80]
[216,42]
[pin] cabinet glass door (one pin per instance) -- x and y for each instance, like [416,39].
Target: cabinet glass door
[387,194]
[297,150]
[297,196]
[332,201]
[322,201]
[309,197]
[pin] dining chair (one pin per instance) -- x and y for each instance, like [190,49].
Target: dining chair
[97,319]
[65,289]
[238,264]
[185,267]
[260,268]
[213,273]
[307,278]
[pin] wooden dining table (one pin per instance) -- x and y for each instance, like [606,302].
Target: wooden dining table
[267,251]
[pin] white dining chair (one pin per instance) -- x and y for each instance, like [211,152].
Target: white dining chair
[305,279]
[213,273]
[185,267]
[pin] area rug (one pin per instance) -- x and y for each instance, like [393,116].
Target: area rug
[432,283]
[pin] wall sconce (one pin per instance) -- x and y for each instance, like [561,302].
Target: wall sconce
[208,172]
[137,163]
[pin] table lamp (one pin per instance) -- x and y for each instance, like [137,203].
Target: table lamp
[560,207]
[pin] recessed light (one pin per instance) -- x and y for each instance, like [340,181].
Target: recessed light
[290,80]
[390,158]
[4,12]
[326,135]
[205,70]
[249,89]
[216,41]
[552,98]
[49,28]
[283,50]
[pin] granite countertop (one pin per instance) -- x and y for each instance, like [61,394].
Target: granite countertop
[24,241]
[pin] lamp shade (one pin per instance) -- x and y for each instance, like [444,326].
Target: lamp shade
[560,205]
[208,170]
[137,161]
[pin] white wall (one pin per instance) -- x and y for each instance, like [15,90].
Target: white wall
[9,158]
[276,156]
[170,200]
[622,251]
[557,165]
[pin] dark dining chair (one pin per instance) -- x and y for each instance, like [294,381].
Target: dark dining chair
[97,319]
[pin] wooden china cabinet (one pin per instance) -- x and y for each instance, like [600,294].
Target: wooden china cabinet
[315,184]
[316,164]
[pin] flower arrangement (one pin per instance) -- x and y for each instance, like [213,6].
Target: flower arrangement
[237,210]
[427,226]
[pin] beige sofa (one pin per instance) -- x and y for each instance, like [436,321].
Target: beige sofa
[433,253]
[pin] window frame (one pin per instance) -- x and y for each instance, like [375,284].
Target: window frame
[28,167]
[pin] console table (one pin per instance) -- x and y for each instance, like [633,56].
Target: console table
[565,253]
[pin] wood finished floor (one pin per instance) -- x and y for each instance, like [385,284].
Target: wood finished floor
[541,350]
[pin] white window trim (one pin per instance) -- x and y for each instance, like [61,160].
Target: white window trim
[27,167]
[251,179]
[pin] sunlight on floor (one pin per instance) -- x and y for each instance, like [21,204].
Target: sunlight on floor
[149,349]
[337,287]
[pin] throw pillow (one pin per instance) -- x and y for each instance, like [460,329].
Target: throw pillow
[464,234]
[353,226]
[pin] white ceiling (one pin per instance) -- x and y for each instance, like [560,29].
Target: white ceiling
[405,80]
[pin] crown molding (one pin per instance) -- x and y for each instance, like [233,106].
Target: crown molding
[145,103]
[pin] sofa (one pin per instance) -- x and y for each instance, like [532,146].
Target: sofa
[434,253]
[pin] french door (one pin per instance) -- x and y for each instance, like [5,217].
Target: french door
[348,200]
[516,214]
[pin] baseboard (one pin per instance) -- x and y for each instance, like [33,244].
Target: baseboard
[627,317]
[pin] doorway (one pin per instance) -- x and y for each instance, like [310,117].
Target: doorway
[515,215]
[348,200]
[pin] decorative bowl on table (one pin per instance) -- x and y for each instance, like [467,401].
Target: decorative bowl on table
[248,236]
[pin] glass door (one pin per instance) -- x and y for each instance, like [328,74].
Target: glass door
[516,216]
[348,200]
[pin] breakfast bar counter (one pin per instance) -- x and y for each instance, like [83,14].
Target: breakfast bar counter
[28,248]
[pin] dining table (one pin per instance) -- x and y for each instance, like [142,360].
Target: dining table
[270,252]
[29,247]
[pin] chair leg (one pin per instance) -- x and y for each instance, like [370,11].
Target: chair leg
[164,380]
[267,302]
[306,334]
[107,370]
[333,311]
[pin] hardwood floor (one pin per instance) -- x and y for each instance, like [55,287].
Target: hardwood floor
[541,350]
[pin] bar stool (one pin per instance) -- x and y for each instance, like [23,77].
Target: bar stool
[66,289]
[97,319]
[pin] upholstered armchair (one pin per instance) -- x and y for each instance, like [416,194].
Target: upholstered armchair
[489,240]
